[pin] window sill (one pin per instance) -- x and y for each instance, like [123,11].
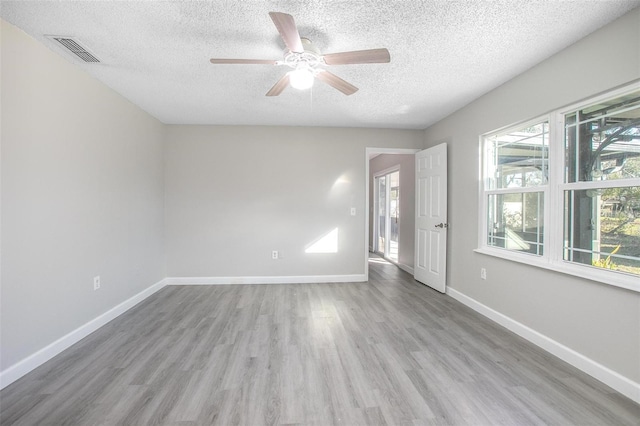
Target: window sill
[617,279]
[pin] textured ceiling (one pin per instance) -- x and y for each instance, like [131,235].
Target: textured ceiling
[444,54]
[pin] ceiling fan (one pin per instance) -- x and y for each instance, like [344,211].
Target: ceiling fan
[306,60]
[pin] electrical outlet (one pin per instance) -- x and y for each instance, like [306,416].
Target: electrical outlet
[274,254]
[483,273]
[96,283]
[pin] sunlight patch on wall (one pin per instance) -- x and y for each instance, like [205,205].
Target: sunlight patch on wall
[342,180]
[327,243]
[340,186]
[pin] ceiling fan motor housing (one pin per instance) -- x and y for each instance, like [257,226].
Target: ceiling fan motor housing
[309,59]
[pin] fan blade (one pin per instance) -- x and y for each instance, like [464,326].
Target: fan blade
[288,31]
[373,56]
[243,61]
[336,82]
[279,86]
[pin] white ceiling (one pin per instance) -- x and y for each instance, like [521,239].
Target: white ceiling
[444,54]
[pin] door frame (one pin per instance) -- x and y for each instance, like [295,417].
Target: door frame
[368,152]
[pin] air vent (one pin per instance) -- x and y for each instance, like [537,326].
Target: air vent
[74,47]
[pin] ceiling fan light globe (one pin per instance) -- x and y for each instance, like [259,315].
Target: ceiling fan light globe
[301,79]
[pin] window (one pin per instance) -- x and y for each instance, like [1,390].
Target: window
[516,180]
[602,184]
[563,191]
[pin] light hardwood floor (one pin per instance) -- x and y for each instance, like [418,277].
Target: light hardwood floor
[389,351]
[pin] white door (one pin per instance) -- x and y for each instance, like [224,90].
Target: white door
[430,265]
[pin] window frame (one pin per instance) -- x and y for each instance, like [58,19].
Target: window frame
[553,233]
[484,192]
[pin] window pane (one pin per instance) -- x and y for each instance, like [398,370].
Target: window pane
[602,228]
[517,159]
[602,141]
[515,221]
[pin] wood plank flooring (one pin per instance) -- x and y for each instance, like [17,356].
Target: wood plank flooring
[387,352]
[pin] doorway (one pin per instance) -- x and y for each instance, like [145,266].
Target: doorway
[422,226]
[379,162]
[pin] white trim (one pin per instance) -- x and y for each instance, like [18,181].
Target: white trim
[304,279]
[387,171]
[599,184]
[19,369]
[554,206]
[527,190]
[482,202]
[620,383]
[605,276]
[374,150]
[408,269]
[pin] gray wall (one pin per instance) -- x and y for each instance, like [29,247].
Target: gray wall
[82,195]
[406,223]
[234,194]
[597,320]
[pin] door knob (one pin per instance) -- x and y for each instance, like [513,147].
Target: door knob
[442,225]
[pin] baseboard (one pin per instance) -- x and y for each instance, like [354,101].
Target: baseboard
[304,279]
[406,268]
[33,361]
[609,377]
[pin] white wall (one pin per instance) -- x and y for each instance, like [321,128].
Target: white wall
[406,223]
[82,195]
[234,194]
[598,321]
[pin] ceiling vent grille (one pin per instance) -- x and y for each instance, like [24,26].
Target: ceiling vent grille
[74,47]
